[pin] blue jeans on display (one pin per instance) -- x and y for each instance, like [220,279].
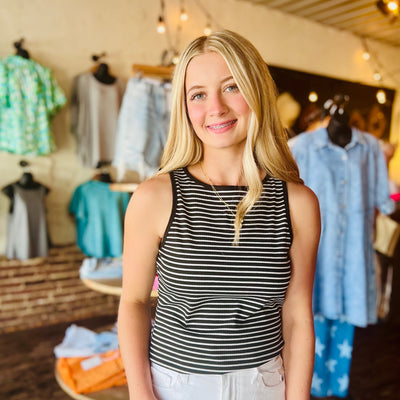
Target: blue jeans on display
[142,127]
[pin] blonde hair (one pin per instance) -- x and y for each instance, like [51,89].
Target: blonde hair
[266,144]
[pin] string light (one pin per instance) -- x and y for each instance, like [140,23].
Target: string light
[161,24]
[377,76]
[170,55]
[208,29]
[381,96]
[312,97]
[366,55]
[175,59]
[184,15]
[392,5]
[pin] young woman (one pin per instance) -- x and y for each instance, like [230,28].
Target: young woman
[233,234]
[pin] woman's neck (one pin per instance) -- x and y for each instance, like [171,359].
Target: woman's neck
[222,169]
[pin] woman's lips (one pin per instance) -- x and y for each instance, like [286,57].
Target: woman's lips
[222,127]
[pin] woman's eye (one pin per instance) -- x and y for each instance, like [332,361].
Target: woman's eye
[197,96]
[232,88]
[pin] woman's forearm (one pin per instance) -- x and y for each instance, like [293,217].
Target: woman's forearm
[134,326]
[298,358]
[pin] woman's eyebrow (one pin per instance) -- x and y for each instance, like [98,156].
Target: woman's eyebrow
[196,87]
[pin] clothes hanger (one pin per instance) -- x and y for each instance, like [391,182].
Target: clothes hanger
[20,50]
[104,175]
[339,130]
[26,181]
[102,71]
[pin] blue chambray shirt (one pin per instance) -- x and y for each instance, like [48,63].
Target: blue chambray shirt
[350,183]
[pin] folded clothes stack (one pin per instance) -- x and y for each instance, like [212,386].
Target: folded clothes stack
[88,361]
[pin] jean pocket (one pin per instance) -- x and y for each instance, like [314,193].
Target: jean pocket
[271,379]
[162,379]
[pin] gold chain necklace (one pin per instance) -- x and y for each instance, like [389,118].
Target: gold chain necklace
[215,190]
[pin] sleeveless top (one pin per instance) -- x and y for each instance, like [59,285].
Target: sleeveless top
[27,229]
[219,305]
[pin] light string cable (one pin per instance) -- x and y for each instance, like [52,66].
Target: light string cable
[209,17]
[377,66]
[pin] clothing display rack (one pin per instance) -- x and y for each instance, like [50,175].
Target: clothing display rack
[161,72]
[123,187]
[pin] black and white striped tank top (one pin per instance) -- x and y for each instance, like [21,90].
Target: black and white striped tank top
[219,305]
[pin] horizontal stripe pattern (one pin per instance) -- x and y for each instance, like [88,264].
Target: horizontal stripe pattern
[219,305]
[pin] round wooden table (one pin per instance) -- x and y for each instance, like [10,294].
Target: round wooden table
[114,287]
[109,286]
[114,393]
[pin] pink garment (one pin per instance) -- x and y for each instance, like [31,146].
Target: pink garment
[395,196]
[155,284]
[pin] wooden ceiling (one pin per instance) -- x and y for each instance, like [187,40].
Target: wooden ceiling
[362,17]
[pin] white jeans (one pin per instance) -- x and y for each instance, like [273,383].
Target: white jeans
[266,382]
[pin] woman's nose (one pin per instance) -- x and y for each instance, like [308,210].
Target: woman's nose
[217,106]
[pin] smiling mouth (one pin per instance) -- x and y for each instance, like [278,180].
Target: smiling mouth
[222,126]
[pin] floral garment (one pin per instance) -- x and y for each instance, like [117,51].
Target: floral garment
[29,98]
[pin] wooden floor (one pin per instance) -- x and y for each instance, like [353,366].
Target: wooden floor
[27,362]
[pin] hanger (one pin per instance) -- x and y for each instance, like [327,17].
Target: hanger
[161,72]
[339,130]
[20,50]
[104,175]
[26,181]
[102,71]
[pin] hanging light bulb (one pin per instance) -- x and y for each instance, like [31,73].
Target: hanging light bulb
[392,5]
[184,16]
[377,76]
[175,59]
[161,25]
[312,97]
[366,55]
[208,29]
[381,96]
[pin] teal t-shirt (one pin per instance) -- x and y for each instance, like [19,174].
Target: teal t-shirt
[29,98]
[99,214]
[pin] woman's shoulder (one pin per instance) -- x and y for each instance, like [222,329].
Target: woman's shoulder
[303,204]
[153,188]
[299,194]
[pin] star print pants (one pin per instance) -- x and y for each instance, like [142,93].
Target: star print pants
[333,349]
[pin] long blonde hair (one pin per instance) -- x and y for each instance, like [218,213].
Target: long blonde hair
[266,144]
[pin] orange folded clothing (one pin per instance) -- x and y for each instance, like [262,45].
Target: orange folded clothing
[94,373]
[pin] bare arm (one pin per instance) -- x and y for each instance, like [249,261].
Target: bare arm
[297,317]
[145,222]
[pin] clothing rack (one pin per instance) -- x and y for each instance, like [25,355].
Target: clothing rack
[123,187]
[161,72]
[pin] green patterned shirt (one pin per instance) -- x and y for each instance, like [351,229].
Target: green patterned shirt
[29,98]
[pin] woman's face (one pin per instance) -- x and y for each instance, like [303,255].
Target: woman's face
[217,110]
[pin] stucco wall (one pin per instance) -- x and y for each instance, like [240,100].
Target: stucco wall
[63,35]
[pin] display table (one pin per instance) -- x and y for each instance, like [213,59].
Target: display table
[114,393]
[113,287]
[109,286]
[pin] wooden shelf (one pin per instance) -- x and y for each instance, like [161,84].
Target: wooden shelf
[114,393]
